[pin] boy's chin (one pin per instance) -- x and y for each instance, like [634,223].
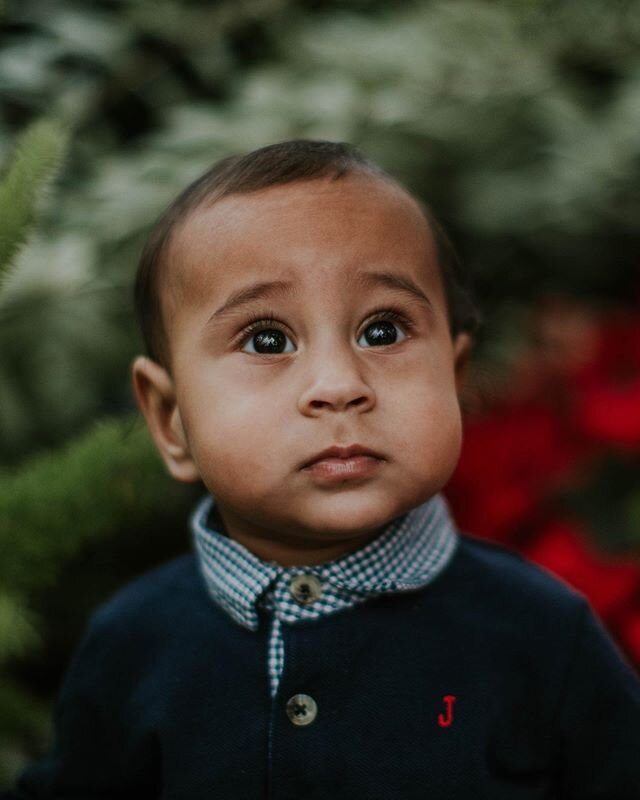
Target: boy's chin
[346,520]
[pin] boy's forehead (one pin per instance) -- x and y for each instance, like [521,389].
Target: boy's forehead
[350,223]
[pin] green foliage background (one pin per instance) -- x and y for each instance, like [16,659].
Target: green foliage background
[518,121]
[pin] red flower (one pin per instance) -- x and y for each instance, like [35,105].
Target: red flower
[510,461]
[608,581]
[628,634]
[611,415]
[572,394]
[606,391]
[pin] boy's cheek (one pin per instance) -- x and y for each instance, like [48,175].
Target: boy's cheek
[234,459]
[435,440]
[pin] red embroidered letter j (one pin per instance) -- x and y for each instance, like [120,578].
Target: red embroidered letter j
[446,719]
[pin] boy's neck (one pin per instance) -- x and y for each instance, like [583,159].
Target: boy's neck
[291,552]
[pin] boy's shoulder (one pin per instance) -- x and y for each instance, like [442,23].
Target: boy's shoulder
[154,617]
[150,587]
[495,577]
[508,570]
[489,555]
[165,597]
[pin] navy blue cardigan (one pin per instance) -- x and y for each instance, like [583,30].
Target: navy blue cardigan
[495,681]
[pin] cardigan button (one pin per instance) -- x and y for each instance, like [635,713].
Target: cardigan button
[305,589]
[301,709]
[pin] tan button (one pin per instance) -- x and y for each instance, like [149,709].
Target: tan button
[301,709]
[306,589]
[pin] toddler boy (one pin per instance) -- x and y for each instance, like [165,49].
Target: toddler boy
[332,635]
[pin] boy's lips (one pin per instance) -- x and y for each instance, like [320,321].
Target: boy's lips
[343,461]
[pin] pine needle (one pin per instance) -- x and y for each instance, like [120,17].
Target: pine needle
[36,160]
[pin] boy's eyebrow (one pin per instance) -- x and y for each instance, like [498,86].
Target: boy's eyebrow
[391,280]
[256,291]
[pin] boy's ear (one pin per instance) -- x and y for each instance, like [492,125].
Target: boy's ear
[462,348]
[155,394]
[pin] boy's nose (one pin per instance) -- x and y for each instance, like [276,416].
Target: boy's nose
[335,383]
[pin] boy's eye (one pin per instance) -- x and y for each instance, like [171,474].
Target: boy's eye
[268,341]
[383,331]
[265,337]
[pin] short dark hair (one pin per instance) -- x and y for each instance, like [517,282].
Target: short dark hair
[273,165]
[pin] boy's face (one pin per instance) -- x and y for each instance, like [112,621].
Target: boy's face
[346,354]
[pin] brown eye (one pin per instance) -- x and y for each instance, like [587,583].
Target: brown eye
[268,341]
[381,332]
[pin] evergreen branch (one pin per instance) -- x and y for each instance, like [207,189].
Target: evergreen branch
[18,632]
[21,714]
[37,158]
[109,480]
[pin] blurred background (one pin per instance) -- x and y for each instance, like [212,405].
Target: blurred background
[518,122]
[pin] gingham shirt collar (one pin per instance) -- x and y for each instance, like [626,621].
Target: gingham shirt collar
[413,549]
